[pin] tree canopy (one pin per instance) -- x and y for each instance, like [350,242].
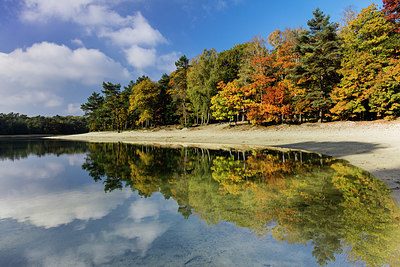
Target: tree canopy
[318,73]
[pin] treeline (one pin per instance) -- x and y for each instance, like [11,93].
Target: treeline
[327,72]
[14,123]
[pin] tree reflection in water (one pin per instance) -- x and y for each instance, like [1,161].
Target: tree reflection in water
[294,196]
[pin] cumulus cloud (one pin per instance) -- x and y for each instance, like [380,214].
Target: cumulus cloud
[141,57]
[16,170]
[84,12]
[77,42]
[131,34]
[33,190]
[166,63]
[139,42]
[142,209]
[74,109]
[100,245]
[139,33]
[54,209]
[76,160]
[34,77]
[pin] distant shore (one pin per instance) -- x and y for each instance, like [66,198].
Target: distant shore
[372,146]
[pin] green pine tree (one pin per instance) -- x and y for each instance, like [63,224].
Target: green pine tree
[318,49]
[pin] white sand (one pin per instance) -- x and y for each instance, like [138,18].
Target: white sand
[373,146]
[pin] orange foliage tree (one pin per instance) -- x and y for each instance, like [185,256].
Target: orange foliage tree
[270,91]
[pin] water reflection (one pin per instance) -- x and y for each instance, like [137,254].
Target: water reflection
[188,206]
[296,197]
[15,149]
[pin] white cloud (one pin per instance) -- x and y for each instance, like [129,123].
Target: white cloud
[74,109]
[141,33]
[142,209]
[21,97]
[144,232]
[36,76]
[89,13]
[16,170]
[131,34]
[76,159]
[166,62]
[52,209]
[140,57]
[100,15]
[100,245]
[33,190]
[77,42]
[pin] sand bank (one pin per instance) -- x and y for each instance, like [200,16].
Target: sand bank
[373,146]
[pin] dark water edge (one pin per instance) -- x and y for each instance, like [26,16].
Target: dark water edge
[26,137]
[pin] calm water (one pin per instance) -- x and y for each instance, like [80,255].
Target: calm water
[80,204]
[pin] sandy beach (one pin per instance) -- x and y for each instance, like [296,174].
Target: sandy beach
[372,146]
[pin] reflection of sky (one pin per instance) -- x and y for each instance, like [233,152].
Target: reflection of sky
[33,190]
[116,236]
[53,214]
[53,193]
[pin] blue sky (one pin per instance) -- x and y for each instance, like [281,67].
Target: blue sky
[55,53]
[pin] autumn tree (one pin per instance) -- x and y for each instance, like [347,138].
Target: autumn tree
[391,9]
[202,80]
[255,47]
[127,118]
[283,43]
[349,15]
[229,102]
[278,38]
[319,62]
[229,62]
[385,99]
[369,45]
[143,101]
[270,92]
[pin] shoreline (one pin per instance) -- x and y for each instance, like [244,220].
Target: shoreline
[372,146]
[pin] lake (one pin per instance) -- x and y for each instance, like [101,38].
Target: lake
[84,204]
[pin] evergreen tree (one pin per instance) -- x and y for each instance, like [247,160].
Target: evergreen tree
[166,107]
[179,87]
[318,49]
[113,103]
[94,111]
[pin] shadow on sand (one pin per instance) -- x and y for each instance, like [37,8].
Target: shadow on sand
[335,149]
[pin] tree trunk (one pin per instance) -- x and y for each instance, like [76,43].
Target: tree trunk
[184,111]
[320,115]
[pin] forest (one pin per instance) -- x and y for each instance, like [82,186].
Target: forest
[330,71]
[15,123]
